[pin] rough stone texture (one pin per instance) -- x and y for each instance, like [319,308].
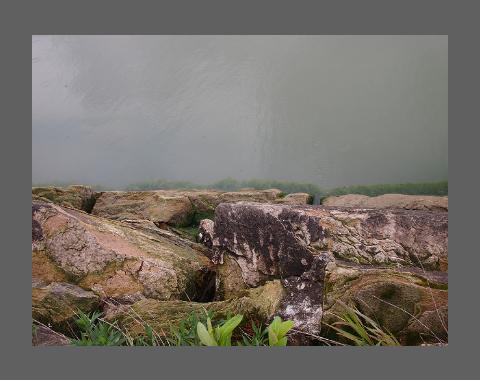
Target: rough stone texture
[173,207]
[408,202]
[58,303]
[156,206]
[205,232]
[113,259]
[229,281]
[44,336]
[299,243]
[259,304]
[274,240]
[296,199]
[408,302]
[76,196]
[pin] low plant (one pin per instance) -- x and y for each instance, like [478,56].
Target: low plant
[257,337]
[94,332]
[277,331]
[221,335]
[362,330]
[185,334]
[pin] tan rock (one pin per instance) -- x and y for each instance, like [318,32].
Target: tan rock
[59,303]
[76,196]
[408,202]
[295,199]
[173,207]
[113,259]
[156,206]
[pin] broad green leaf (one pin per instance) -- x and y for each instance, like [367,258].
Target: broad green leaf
[285,327]
[204,336]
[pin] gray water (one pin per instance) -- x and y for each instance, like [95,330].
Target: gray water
[331,110]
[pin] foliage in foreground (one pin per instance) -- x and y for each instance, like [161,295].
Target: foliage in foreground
[221,334]
[96,332]
[195,330]
[362,330]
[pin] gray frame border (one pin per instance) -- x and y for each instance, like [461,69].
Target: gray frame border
[455,19]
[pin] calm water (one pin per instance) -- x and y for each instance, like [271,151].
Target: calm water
[332,110]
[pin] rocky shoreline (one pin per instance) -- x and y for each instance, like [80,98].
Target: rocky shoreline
[258,252]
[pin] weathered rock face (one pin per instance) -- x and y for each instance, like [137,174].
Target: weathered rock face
[205,232]
[301,245]
[259,304]
[155,206]
[296,199]
[408,202]
[112,259]
[43,336]
[408,302]
[173,207]
[76,196]
[58,303]
[273,240]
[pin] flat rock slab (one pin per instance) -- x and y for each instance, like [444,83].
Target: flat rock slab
[408,202]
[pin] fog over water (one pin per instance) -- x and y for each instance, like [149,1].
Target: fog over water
[331,110]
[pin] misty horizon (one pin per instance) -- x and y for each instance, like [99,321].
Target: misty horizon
[329,110]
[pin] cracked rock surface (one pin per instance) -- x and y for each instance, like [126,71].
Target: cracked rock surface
[111,258]
[324,254]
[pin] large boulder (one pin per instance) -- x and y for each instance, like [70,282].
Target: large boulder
[76,196]
[172,207]
[301,245]
[277,240]
[408,202]
[112,259]
[156,206]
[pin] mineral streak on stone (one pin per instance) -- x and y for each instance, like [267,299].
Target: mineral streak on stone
[205,234]
[298,244]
